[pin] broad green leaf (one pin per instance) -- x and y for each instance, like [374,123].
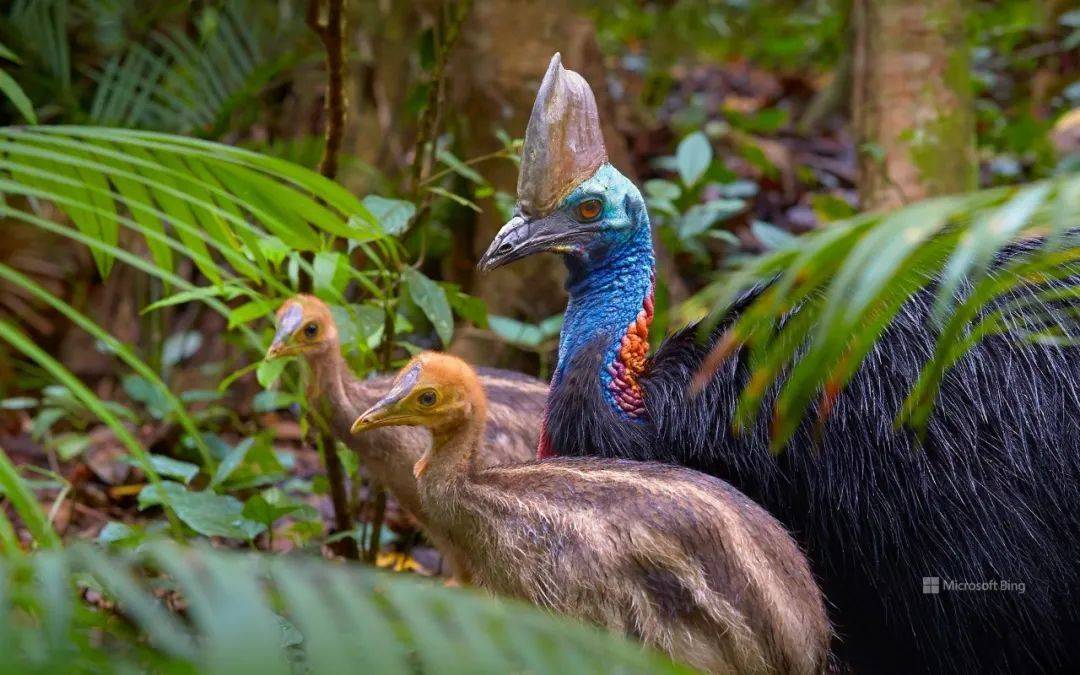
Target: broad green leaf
[268,372]
[231,462]
[693,157]
[180,346]
[330,275]
[250,311]
[174,468]
[516,332]
[207,513]
[18,403]
[662,189]
[551,326]
[146,392]
[700,217]
[771,236]
[392,214]
[70,445]
[271,505]
[269,400]
[431,299]
[468,307]
[115,532]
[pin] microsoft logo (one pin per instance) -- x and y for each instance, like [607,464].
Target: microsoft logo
[936,585]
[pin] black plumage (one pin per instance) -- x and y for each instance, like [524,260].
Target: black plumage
[991,495]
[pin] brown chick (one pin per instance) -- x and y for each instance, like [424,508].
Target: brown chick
[306,327]
[673,557]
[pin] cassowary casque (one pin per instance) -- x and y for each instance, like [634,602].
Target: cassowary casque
[988,500]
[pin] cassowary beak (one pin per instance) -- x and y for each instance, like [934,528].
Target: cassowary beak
[523,237]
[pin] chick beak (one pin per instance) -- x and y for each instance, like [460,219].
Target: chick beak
[289,321]
[375,416]
[277,348]
[385,412]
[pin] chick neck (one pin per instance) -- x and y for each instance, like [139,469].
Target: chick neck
[454,443]
[329,375]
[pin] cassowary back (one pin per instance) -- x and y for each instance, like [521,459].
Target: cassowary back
[991,496]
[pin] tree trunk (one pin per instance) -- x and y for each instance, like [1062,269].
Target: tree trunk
[912,101]
[505,50]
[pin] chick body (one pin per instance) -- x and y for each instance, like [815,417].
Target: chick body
[675,558]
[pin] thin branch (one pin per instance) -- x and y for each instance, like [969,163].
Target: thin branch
[428,128]
[497,154]
[331,33]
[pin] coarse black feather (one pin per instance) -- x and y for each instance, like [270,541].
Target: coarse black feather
[992,494]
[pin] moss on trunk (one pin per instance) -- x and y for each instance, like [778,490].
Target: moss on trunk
[912,101]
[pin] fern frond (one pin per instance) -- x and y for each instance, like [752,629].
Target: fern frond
[273,614]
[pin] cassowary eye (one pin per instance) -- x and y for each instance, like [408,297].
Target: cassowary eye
[311,330]
[589,209]
[427,398]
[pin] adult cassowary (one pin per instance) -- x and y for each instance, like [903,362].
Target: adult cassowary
[990,497]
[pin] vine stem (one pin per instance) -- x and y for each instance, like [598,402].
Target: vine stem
[331,33]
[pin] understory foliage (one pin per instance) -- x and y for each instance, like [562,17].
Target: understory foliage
[229,212]
[156,157]
[169,608]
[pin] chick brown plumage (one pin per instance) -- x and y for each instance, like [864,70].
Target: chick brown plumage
[676,558]
[388,454]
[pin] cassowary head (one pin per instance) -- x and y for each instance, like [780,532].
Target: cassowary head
[304,326]
[570,200]
[437,391]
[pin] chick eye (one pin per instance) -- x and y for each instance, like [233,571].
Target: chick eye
[427,398]
[589,209]
[311,329]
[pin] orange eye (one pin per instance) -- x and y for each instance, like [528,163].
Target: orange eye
[589,209]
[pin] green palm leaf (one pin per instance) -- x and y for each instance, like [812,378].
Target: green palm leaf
[177,84]
[213,197]
[828,301]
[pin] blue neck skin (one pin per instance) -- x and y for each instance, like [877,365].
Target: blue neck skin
[611,278]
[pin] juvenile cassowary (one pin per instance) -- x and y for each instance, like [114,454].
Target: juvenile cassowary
[670,556]
[305,327]
[991,496]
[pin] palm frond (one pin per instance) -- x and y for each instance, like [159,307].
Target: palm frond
[173,83]
[211,197]
[211,204]
[43,26]
[827,300]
